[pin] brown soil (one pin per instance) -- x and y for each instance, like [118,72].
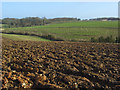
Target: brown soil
[32,64]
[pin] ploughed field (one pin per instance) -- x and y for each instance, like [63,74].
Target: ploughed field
[36,64]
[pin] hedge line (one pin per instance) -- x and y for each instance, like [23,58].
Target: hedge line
[108,39]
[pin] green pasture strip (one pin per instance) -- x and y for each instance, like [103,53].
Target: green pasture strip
[86,24]
[101,24]
[23,37]
[3,25]
[69,33]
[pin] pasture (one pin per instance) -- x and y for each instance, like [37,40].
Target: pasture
[79,31]
[23,37]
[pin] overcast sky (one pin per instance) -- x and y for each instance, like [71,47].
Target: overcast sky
[59,9]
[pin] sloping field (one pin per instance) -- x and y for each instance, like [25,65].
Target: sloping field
[23,37]
[83,30]
[33,64]
[99,24]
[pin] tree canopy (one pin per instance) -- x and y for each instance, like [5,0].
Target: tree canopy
[32,21]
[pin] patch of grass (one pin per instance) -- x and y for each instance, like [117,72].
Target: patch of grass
[23,37]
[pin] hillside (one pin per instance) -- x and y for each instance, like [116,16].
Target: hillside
[76,31]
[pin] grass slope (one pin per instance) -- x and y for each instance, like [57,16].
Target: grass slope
[23,37]
[72,30]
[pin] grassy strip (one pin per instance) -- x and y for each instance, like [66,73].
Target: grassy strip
[67,33]
[95,24]
[24,37]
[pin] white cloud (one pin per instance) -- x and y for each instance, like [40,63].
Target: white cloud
[60,0]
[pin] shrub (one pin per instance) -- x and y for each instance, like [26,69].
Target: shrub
[108,39]
[117,40]
[101,39]
[93,39]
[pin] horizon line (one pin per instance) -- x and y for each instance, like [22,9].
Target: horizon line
[64,17]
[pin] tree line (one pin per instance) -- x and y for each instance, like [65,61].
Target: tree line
[32,21]
[108,19]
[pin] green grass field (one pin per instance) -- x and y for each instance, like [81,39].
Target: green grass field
[23,37]
[73,30]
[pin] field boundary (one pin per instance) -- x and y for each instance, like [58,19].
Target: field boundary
[49,37]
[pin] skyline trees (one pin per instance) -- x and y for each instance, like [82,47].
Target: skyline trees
[32,21]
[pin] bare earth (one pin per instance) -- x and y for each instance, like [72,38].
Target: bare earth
[32,64]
